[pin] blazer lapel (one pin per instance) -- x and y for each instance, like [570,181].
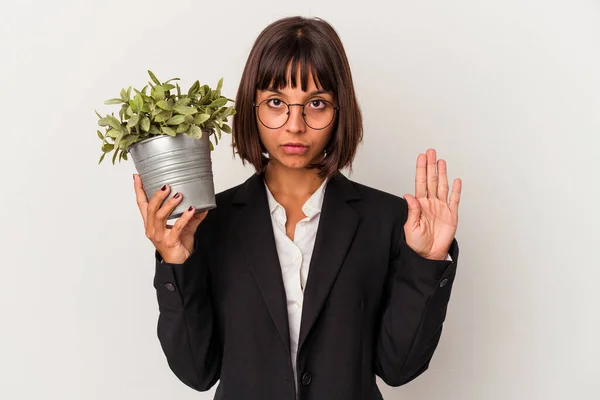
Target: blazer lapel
[337,225]
[255,230]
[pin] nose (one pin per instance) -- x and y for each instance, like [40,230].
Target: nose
[295,121]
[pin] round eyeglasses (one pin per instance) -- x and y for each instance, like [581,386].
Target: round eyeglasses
[274,113]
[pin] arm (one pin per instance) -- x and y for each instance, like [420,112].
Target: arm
[416,298]
[186,328]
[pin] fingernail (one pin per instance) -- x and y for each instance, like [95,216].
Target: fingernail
[191,208]
[176,195]
[163,188]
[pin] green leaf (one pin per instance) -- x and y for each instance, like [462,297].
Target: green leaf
[228,112]
[118,140]
[113,122]
[154,129]
[172,79]
[122,111]
[226,128]
[212,148]
[99,116]
[100,135]
[145,124]
[201,118]
[113,101]
[124,95]
[139,101]
[133,121]
[114,157]
[168,86]
[126,141]
[163,116]
[101,158]
[178,90]
[220,85]
[169,131]
[128,93]
[185,110]
[176,120]
[153,77]
[125,156]
[113,133]
[165,105]
[195,132]
[189,119]
[184,101]
[194,89]
[107,147]
[220,102]
[157,93]
[103,122]
[129,111]
[183,128]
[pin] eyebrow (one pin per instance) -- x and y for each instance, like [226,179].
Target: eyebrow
[275,90]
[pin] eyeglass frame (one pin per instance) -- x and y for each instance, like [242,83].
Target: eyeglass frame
[335,109]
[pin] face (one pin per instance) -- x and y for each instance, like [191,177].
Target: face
[295,145]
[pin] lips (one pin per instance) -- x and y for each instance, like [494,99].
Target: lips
[295,144]
[294,148]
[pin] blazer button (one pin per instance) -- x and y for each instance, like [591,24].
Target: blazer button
[306,378]
[443,282]
[170,287]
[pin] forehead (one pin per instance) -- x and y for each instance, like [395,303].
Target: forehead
[296,75]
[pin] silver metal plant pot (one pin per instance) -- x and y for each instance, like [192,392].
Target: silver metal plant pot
[183,163]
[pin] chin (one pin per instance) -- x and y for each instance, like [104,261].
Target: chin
[293,161]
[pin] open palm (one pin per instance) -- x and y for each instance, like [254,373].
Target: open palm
[432,219]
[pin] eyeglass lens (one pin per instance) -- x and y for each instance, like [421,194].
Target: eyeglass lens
[274,113]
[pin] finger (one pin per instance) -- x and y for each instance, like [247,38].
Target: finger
[455,196]
[443,181]
[140,196]
[154,227]
[187,218]
[421,177]
[414,210]
[432,176]
[166,209]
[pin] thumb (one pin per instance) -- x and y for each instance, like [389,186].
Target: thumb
[414,210]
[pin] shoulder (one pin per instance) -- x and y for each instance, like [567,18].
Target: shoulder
[379,201]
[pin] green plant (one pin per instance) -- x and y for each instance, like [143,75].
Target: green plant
[164,113]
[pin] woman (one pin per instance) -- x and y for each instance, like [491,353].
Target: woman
[301,283]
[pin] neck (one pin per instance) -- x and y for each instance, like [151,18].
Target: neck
[292,183]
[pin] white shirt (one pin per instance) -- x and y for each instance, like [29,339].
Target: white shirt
[294,257]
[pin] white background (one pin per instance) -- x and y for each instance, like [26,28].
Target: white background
[507,92]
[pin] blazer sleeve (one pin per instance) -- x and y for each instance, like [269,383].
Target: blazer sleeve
[186,329]
[416,296]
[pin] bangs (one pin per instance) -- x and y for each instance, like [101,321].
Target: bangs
[299,52]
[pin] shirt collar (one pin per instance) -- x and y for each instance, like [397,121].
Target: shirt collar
[312,206]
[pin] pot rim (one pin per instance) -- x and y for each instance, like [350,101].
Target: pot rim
[206,130]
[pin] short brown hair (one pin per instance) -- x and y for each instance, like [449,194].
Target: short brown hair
[311,43]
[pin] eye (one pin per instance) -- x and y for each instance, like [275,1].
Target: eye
[275,103]
[317,103]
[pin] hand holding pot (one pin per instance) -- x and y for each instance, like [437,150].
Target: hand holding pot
[173,242]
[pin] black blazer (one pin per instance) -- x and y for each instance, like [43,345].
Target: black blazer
[372,306]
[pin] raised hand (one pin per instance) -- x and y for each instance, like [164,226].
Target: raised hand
[432,219]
